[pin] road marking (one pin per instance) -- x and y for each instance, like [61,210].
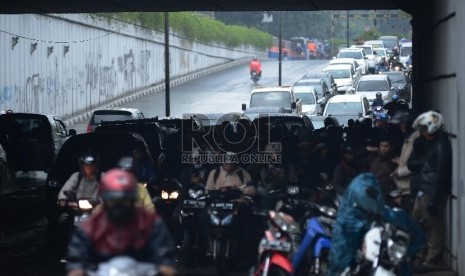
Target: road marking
[239,85]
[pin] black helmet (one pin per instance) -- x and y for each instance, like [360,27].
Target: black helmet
[379,94]
[89,158]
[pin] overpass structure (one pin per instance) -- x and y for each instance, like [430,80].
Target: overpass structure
[439,75]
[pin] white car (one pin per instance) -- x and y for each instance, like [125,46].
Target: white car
[351,61]
[356,53]
[370,56]
[343,76]
[345,107]
[380,53]
[369,85]
[308,97]
[405,52]
[375,43]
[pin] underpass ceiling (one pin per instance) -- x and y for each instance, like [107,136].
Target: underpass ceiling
[91,6]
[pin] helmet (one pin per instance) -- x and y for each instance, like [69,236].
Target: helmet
[118,184]
[394,97]
[255,58]
[382,116]
[365,194]
[379,95]
[431,120]
[89,158]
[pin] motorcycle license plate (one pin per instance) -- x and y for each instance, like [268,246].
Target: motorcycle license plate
[276,245]
[193,204]
[222,205]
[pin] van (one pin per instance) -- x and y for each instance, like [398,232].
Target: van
[116,114]
[405,52]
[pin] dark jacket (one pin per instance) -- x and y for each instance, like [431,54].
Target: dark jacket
[145,238]
[432,164]
[383,167]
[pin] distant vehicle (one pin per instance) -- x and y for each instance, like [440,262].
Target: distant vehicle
[318,121]
[380,53]
[277,96]
[356,67]
[399,81]
[115,114]
[345,107]
[308,97]
[31,141]
[370,55]
[391,42]
[292,122]
[342,74]
[358,54]
[405,52]
[327,77]
[318,85]
[375,43]
[369,85]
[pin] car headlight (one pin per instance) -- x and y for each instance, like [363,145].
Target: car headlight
[164,195]
[53,183]
[214,220]
[293,190]
[194,194]
[227,220]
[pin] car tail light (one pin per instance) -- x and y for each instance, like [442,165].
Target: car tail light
[89,128]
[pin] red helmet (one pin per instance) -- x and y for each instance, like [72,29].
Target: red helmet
[118,184]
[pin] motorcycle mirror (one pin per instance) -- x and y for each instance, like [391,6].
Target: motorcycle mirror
[244,106]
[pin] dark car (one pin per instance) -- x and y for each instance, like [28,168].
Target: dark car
[31,141]
[291,122]
[399,81]
[318,121]
[327,77]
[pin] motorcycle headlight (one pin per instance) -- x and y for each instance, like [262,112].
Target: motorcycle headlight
[214,220]
[114,271]
[227,220]
[293,190]
[331,212]
[396,251]
[84,204]
[164,195]
[174,195]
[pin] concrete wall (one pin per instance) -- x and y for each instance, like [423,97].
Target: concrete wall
[439,62]
[68,63]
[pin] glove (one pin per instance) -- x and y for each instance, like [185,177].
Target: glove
[431,208]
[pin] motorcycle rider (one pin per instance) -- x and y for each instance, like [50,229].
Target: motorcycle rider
[378,101]
[431,183]
[361,205]
[121,229]
[83,183]
[383,65]
[256,66]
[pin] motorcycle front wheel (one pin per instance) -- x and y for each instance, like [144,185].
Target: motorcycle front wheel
[221,261]
[277,271]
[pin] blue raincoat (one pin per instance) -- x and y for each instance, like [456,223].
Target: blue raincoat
[355,216]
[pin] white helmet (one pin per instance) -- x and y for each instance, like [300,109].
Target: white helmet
[431,120]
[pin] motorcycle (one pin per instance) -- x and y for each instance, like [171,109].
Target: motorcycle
[316,242]
[193,206]
[222,210]
[277,245]
[383,252]
[81,208]
[255,76]
[124,266]
[167,199]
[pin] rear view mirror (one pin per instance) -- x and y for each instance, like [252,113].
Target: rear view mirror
[244,106]
[72,132]
[293,105]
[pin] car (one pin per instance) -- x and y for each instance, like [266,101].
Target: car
[319,86]
[115,114]
[277,96]
[309,99]
[292,122]
[375,43]
[343,75]
[356,67]
[348,106]
[399,81]
[356,53]
[391,42]
[405,52]
[31,141]
[370,55]
[380,53]
[370,85]
[328,78]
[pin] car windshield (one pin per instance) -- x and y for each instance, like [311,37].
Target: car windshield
[97,118]
[339,73]
[367,50]
[344,108]
[397,78]
[278,98]
[372,85]
[405,51]
[390,43]
[350,54]
[307,98]
[307,82]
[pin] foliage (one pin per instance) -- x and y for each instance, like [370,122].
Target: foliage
[371,34]
[198,28]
